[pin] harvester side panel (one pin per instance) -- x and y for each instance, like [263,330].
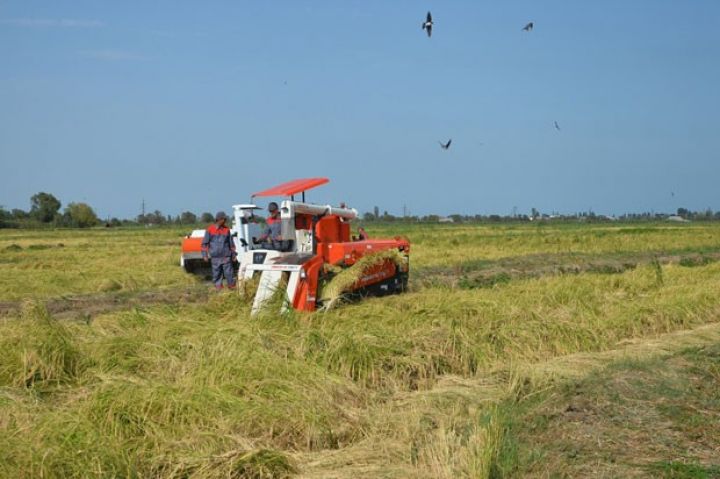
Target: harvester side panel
[348,253]
[306,290]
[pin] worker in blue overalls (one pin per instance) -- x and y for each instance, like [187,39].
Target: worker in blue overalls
[218,247]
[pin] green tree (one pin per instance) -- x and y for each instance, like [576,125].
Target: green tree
[188,218]
[19,214]
[4,217]
[207,218]
[44,207]
[81,215]
[154,218]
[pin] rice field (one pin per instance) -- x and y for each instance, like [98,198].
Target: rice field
[115,363]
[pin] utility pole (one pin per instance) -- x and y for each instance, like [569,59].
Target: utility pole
[404,211]
[143,207]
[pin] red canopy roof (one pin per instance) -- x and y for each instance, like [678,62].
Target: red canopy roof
[292,187]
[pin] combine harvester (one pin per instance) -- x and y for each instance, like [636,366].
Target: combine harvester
[317,261]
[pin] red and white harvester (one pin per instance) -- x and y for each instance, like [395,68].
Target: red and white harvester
[317,260]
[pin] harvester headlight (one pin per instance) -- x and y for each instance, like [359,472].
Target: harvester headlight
[303,274]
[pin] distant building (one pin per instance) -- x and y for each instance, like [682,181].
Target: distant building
[446,219]
[677,219]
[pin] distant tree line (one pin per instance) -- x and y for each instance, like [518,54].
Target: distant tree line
[536,215]
[184,218]
[45,211]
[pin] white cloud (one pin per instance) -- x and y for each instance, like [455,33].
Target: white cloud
[110,55]
[52,22]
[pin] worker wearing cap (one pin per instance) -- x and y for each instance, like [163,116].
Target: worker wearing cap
[271,235]
[218,247]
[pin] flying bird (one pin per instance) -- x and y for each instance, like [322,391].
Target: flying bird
[445,146]
[528,27]
[428,24]
[557,127]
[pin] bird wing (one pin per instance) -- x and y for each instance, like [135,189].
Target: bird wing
[429,17]
[448,143]
[429,30]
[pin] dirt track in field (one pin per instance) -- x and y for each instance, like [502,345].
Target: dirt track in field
[483,274]
[88,305]
[474,274]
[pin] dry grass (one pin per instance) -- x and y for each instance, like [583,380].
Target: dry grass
[425,384]
[52,263]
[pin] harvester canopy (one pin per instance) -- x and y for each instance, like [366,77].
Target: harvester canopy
[293,187]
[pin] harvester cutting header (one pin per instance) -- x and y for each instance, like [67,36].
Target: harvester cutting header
[315,259]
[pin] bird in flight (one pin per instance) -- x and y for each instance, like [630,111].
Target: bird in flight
[445,146]
[428,24]
[557,127]
[528,27]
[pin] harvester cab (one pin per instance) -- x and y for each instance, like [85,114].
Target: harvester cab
[316,260]
[244,227]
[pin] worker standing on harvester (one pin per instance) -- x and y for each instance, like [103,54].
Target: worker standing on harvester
[218,247]
[271,236]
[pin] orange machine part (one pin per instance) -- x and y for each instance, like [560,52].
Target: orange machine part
[377,273]
[192,245]
[327,229]
[303,222]
[306,292]
[334,247]
[349,252]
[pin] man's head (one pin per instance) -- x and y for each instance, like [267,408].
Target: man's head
[273,208]
[220,217]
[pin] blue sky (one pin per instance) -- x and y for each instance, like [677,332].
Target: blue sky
[195,105]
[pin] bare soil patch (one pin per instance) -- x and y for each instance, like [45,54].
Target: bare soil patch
[89,305]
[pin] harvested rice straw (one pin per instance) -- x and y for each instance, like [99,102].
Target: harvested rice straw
[333,291]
